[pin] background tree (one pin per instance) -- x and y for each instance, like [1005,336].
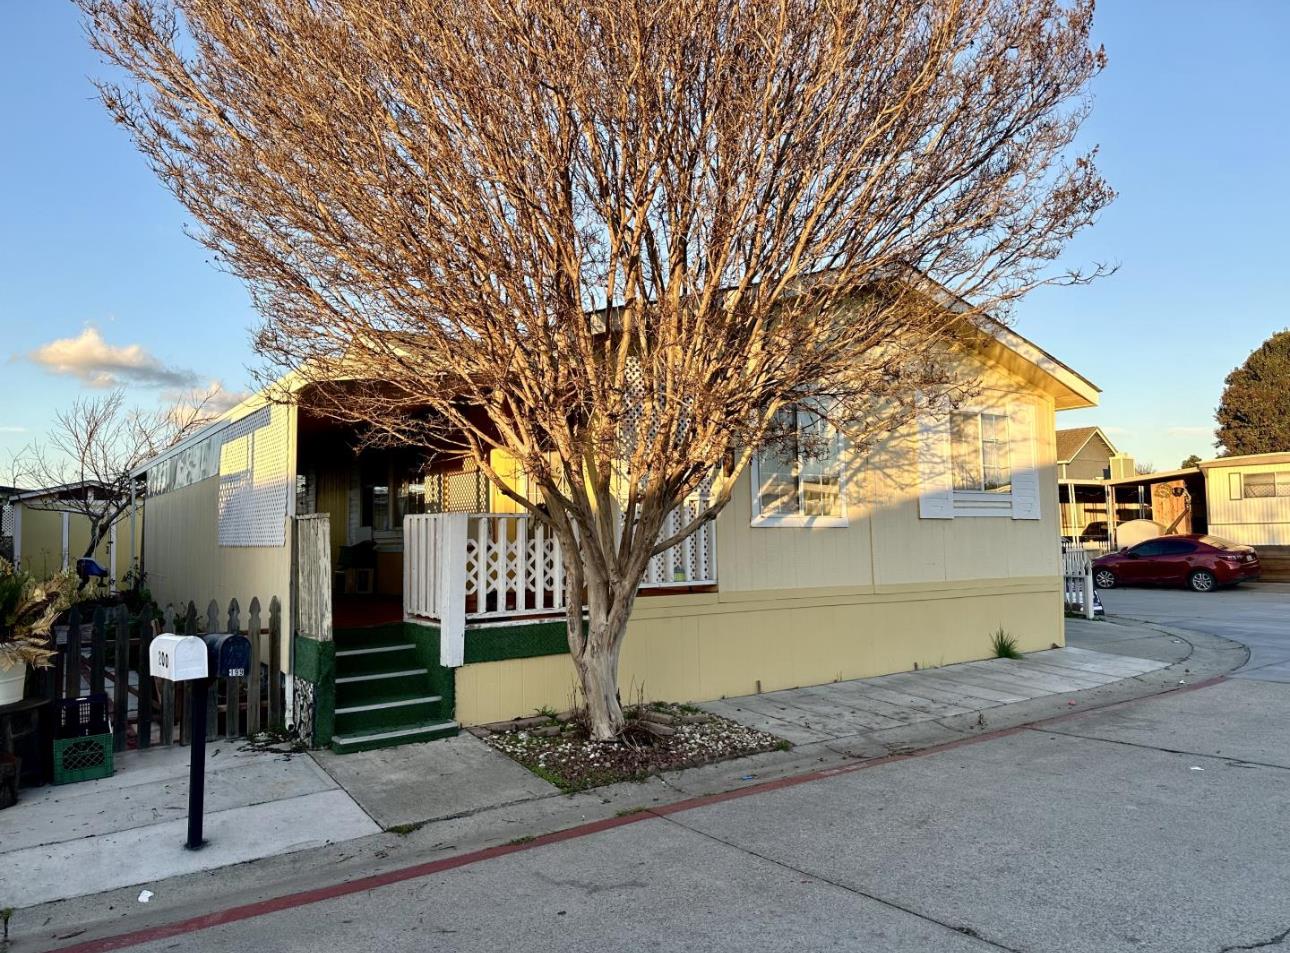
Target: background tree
[1143,467]
[1254,413]
[93,449]
[1191,461]
[616,238]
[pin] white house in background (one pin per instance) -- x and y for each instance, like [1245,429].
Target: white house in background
[1249,498]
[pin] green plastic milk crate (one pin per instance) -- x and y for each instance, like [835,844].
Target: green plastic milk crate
[82,759]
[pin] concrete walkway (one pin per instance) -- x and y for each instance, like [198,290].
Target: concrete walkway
[302,819]
[1147,826]
[846,709]
[413,784]
[129,829]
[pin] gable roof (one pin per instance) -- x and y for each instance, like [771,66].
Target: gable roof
[1072,440]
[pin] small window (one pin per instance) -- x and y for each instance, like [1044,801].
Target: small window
[411,499]
[979,448]
[1152,547]
[1176,547]
[376,506]
[1262,486]
[800,480]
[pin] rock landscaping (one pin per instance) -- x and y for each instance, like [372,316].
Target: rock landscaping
[659,737]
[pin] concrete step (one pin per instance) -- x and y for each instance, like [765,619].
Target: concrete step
[365,741]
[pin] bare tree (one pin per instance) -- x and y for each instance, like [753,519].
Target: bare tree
[93,450]
[616,238]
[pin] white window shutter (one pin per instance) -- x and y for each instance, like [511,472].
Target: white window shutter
[1025,469]
[936,482]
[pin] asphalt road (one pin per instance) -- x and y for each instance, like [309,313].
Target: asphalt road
[1157,825]
[1257,615]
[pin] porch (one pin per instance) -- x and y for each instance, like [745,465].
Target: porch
[475,569]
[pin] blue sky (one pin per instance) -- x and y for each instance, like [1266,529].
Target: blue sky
[1192,117]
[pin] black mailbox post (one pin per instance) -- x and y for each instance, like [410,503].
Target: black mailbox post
[228,656]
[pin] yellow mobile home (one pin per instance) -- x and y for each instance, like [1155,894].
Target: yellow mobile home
[446,606]
[49,534]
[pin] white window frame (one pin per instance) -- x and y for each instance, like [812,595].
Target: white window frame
[1280,478]
[800,519]
[984,503]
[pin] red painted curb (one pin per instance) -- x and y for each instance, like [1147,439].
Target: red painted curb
[305,897]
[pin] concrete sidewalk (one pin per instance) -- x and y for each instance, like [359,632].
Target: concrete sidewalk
[129,829]
[870,705]
[1040,816]
[301,818]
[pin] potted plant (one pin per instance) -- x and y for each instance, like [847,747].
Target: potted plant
[27,613]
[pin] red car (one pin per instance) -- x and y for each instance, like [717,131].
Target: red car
[1201,562]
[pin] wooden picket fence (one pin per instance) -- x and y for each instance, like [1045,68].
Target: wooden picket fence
[113,646]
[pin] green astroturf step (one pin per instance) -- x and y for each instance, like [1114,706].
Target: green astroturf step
[387,738]
[354,690]
[376,659]
[389,713]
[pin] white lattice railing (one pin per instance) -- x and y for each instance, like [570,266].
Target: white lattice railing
[459,566]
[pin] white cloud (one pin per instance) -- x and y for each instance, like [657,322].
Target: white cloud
[95,363]
[5,429]
[213,399]
[1190,431]
[219,399]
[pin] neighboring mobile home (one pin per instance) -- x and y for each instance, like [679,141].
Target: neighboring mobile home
[448,605]
[49,534]
[1249,498]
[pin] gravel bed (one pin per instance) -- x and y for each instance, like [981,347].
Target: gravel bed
[559,750]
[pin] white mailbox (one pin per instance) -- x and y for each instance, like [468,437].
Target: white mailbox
[178,658]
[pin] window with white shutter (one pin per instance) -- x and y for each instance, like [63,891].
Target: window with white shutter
[978,461]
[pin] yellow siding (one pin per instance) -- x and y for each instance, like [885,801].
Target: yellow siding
[1257,522]
[41,546]
[713,645]
[42,542]
[803,606]
[886,542]
[508,468]
[185,562]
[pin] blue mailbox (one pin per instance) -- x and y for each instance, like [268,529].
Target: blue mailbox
[229,655]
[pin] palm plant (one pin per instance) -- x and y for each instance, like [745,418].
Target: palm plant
[27,613]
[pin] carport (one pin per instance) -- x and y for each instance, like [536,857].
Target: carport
[1173,498]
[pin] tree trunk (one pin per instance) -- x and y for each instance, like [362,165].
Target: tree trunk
[598,674]
[96,534]
[596,644]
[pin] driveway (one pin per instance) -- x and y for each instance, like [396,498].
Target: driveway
[1256,615]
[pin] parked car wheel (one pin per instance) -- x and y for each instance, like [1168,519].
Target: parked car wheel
[1104,579]
[1202,580]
